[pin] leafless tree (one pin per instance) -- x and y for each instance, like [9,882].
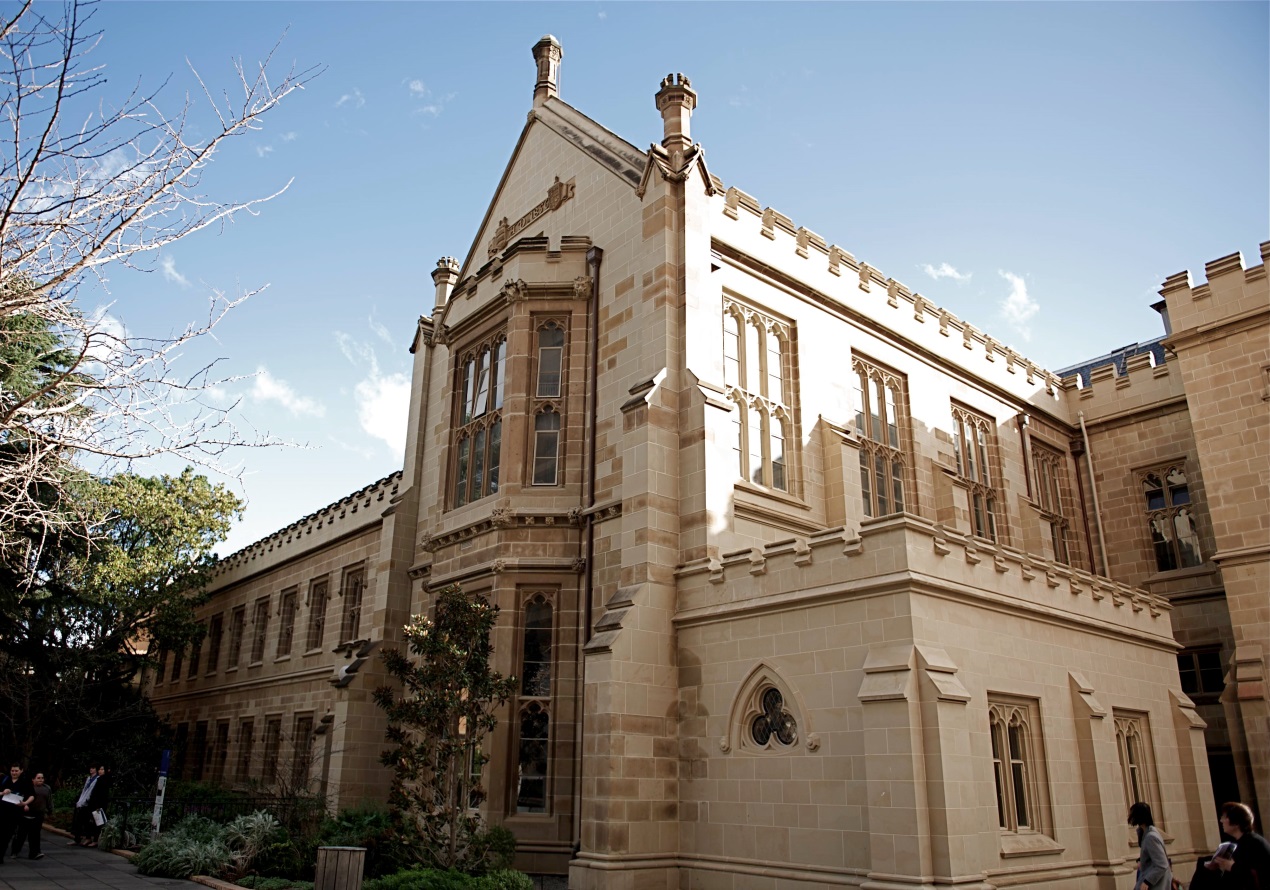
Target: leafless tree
[86,184]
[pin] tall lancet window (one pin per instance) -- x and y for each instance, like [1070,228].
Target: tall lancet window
[757,367]
[478,428]
[550,377]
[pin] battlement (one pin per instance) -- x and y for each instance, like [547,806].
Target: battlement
[1125,381]
[834,270]
[838,563]
[348,514]
[1230,292]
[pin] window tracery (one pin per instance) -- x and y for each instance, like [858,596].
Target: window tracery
[533,742]
[767,717]
[550,375]
[973,450]
[477,443]
[757,361]
[881,423]
[1170,518]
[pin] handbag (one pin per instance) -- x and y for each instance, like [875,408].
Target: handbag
[99,818]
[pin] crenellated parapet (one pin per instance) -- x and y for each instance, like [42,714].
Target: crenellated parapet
[1123,385]
[906,551]
[1231,295]
[362,508]
[857,287]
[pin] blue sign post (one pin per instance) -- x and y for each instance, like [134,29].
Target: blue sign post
[157,819]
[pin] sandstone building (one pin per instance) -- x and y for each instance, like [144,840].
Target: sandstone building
[808,582]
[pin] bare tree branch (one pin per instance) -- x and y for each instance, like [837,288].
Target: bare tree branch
[114,187]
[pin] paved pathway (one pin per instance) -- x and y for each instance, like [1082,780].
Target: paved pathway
[77,868]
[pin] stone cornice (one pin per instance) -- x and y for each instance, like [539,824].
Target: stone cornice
[504,517]
[204,690]
[510,566]
[1247,321]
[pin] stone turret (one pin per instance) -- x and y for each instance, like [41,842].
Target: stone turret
[444,276]
[547,54]
[676,100]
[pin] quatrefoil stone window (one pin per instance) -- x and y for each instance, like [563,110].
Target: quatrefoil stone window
[774,722]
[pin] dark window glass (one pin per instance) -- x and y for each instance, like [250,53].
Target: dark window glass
[536,665]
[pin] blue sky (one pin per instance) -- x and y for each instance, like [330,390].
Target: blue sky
[1037,168]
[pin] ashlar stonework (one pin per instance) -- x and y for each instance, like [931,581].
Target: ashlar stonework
[808,582]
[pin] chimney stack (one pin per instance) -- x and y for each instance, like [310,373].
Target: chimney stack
[675,101]
[547,54]
[445,276]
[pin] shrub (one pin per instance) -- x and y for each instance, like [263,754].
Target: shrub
[435,879]
[500,846]
[250,836]
[198,846]
[504,879]
[369,828]
[182,856]
[422,879]
[114,836]
[256,882]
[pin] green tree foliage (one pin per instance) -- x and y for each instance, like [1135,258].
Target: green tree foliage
[437,723]
[81,620]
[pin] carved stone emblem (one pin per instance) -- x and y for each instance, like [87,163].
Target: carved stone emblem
[557,194]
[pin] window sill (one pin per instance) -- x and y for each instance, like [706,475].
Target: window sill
[255,664]
[282,658]
[232,670]
[1204,568]
[774,493]
[1028,844]
[317,651]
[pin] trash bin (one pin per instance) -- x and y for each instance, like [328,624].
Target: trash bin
[339,868]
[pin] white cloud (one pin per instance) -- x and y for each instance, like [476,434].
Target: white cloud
[602,15]
[219,394]
[289,136]
[106,337]
[168,265]
[383,400]
[419,90]
[945,271]
[383,404]
[1018,308]
[267,388]
[263,151]
[382,332]
[354,99]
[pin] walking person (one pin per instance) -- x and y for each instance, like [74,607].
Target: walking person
[1154,871]
[16,794]
[33,822]
[98,799]
[82,819]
